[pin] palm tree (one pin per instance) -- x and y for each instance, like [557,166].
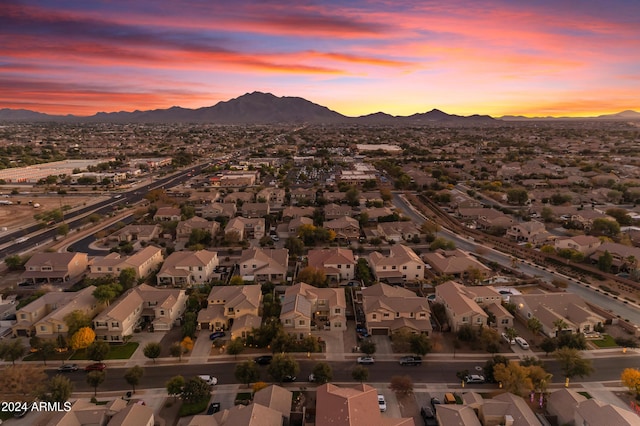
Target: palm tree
[534,325]
[560,324]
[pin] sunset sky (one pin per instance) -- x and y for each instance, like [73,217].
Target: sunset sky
[497,57]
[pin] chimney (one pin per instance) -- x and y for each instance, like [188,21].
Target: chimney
[508,420]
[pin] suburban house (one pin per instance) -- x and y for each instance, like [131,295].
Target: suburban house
[454,414]
[292,212]
[345,227]
[255,210]
[334,211]
[260,265]
[375,213]
[352,406]
[44,317]
[552,308]
[573,408]
[271,406]
[185,227]
[338,264]
[143,263]
[233,308]
[461,306]
[302,195]
[389,309]
[585,244]
[306,308]
[160,307]
[131,233]
[167,214]
[274,196]
[246,228]
[215,210]
[506,408]
[623,257]
[54,267]
[402,264]
[456,263]
[532,232]
[114,413]
[398,231]
[295,224]
[186,268]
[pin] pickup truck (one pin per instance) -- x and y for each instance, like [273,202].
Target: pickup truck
[410,360]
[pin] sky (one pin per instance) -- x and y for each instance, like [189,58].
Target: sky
[356,57]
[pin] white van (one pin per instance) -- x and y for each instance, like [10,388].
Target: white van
[522,343]
[211,381]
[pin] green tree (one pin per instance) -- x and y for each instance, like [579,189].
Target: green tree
[106,293]
[247,372]
[195,390]
[175,385]
[11,350]
[152,350]
[57,389]
[517,196]
[608,228]
[363,272]
[283,365]
[46,350]
[605,261]
[98,350]
[236,280]
[420,344]
[621,216]
[535,326]
[368,347]
[177,350]
[312,276]
[360,373]
[15,262]
[322,373]
[235,347]
[75,320]
[133,376]
[63,229]
[560,325]
[572,364]
[95,379]
[489,366]
[548,345]
[127,278]
[295,246]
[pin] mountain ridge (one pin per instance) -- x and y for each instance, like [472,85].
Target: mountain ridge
[265,108]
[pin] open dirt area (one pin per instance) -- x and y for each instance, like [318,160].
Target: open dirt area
[20,213]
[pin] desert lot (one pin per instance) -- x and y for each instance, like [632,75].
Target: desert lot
[16,215]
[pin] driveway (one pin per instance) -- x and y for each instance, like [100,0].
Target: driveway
[201,349]
[334,344]
[383,345]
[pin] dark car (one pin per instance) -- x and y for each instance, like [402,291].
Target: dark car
[214,407]
[217,335]
[98,366]
[68,368]
[263,360]
[435,401]
[410,360]
[428,416]
[289,379]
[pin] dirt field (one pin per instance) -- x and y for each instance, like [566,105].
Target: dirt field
[17,215]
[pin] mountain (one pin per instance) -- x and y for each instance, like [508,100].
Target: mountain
[7,114]
[624,115]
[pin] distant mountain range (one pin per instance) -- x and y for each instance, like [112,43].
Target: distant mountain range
[265,108]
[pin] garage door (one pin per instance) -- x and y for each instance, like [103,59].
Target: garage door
[380,331]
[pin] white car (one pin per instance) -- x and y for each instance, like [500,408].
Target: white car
[382,403]
[366,360]
[522,343]
[211,381]
[506,339]
[474,378]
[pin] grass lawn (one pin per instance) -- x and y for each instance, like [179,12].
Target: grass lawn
[606,342]
[117,352]
[58,356]
[189,409]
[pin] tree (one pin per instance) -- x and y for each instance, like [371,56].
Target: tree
[15,262]
[235,347]
[106,293]
[258,386]
[95,379]
[630,377]
[514,378]
[489,366]
[368,347]
[12,350]
[63,229]
[133,376]
[127,278]
[517,196]
[82,338]
[401,384]
[548,345]
[490,339]
[605,261]
[236,280]
[511,333]
[312,276]
[175,385]
[98,350]
[152,350]
[195,390]
[360,373]
[247,372]
[295,246]
[420,344]
[176,350]
[534,325]
[57,389]
[322,373]
[539,378]
[283,365]
[572,363]
[560,324]
[187,344]
[76,320]
[22,382]
[46,350]
[442,243]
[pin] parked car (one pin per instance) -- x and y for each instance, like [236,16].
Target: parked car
[312,377]
[216,335]
[428,416]
[435,401]
[211,381]
[65,368]
[382,403]
[98,366]
[366,360]
[474,378]
[263,359]
[522,343]
[289,379]
[410,360]
[507,339]
[214,407]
